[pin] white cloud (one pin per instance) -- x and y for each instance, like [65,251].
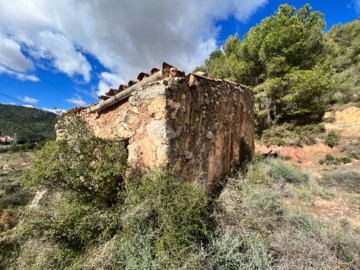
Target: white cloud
[12,60]
[11,56]
[62,53]
[77,101]
[54,110]
[28,106]
[18,75]
[107,81]
[125,36]
[28,100]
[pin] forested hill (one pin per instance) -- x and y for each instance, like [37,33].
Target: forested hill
[343,55]
[295,68]
[29,124]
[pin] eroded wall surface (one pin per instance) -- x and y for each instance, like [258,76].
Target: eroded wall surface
[141,122]
[214,120]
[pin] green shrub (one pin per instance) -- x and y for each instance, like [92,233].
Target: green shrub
[3,150]
[77,225]
[91,167]
[158,218]
[281,170]
[14,148]
[333,138]
[173,211]
[15,199]
[329,157]
[248,251]
[257,174]
[346,160]
[331,160]
[9,249]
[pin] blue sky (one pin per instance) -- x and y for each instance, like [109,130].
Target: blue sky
[64,53]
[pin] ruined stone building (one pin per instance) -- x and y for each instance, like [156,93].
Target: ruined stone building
[201,128]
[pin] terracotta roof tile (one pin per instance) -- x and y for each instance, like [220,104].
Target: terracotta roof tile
[142,75]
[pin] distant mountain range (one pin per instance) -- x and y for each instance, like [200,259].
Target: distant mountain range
[27,124]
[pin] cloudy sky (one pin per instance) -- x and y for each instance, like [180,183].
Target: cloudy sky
[64,53]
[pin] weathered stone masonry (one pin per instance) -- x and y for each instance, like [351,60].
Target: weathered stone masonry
[199,127]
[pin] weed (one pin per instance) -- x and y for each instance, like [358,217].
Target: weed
[318,190]
[304,242]
[37,254]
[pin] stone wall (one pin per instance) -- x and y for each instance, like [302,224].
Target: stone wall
[141,122]
[200,128]
[214,120]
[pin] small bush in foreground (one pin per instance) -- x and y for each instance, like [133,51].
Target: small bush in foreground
[173,212]
[249,251]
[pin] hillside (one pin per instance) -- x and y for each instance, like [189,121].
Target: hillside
[29,124]
[335,168]
[296,74]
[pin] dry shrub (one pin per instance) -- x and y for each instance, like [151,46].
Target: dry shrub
[7,220]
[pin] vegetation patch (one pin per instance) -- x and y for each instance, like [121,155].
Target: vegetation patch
[281,170]
[286,238]
[333,138]
[29,124]
[351,148]
[291,135]
[345,179]
[89,167]
[331,160]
